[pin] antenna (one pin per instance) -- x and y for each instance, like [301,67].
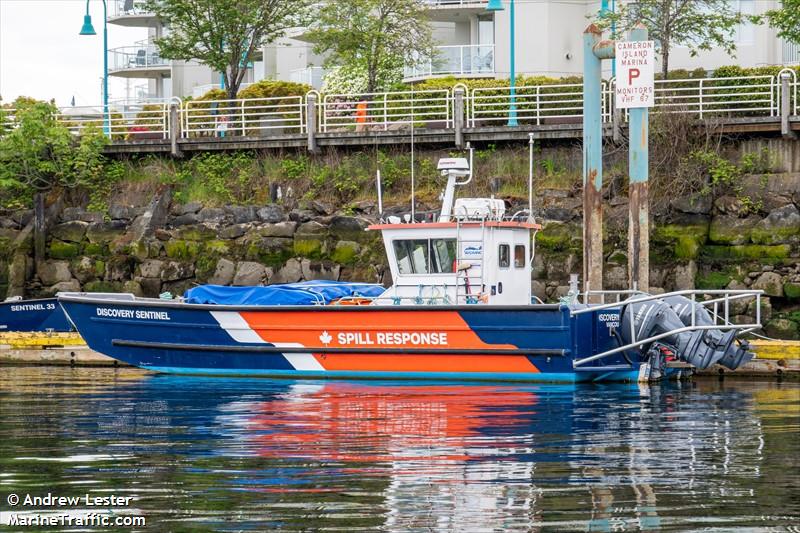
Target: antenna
[530,177]
[380,194]
[413,213]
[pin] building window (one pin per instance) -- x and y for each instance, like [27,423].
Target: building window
[746,31]
[519,256]
[504,256]
[485,29]
[425,256]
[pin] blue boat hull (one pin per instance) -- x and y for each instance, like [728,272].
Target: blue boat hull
[33,315]
[508,343]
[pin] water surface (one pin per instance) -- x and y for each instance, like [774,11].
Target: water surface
[205,454]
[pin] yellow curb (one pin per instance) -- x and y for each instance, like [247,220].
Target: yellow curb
[16,339]
[776,349]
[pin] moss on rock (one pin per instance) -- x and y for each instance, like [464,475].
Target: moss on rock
[216,247]
[791,290]
[96,250]
[756,252]
[685,240]
[103,286]
[178,249]
[557,237]
[713,280]
[63,250]
[345,253]
[310,248]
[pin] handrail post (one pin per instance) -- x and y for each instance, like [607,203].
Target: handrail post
[538,105]
[244,120]
[786,128]
[311,121]
[323,115]
[386,112]
[701,99]
[471,119]
[458,116]
[174,128]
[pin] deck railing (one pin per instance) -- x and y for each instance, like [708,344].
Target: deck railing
[243,117]
[540,105]
[382,111]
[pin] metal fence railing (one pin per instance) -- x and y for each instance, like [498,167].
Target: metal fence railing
[708,97]
[243,117]
[382,111]
[539,105]
[145,120]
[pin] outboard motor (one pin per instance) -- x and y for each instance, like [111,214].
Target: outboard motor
[655,317]
[733,357]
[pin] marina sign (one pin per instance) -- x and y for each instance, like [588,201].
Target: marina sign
[635,74]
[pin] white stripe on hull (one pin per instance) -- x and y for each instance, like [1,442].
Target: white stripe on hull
[240,331]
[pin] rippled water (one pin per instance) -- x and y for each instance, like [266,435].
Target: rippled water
[235,454]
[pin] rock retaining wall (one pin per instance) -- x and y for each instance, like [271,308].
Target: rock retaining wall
[164,246]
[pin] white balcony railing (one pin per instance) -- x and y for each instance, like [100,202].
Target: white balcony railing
[120,8]
[312,76]
[791,53]
[458,60]
[465,3]
[142,56]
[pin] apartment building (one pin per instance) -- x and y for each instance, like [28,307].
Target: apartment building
[473,42]
[152,77]
[548,41]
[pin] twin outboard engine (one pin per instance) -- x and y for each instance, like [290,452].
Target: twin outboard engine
[733,357]
[700,348]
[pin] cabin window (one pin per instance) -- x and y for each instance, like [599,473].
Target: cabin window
[519,256]
[504,256]
[444,252]
[425,256]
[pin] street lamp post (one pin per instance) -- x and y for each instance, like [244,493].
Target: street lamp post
[494,6]
[88,29]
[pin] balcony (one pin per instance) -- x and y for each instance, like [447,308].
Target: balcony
[142,60]
[469,60]
[131,13]
[312,76]
[791,53]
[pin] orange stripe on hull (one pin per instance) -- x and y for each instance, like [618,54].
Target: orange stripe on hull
[426,363]
[305,327]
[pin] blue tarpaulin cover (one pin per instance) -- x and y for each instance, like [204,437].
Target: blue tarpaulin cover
[303,293]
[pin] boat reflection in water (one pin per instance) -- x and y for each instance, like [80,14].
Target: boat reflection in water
[465,457]
[259,454]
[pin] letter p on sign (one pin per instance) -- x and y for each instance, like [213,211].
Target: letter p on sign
[635,76]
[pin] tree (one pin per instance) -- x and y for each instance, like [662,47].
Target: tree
[377,36]
[224,34]
[39,153]
[786,20]
[697,24]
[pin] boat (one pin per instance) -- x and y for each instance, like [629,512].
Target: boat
[43,314]
[460,307]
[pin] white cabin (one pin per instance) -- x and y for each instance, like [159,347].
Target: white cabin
[473,254]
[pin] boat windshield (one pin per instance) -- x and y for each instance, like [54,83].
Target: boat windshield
[425,256]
